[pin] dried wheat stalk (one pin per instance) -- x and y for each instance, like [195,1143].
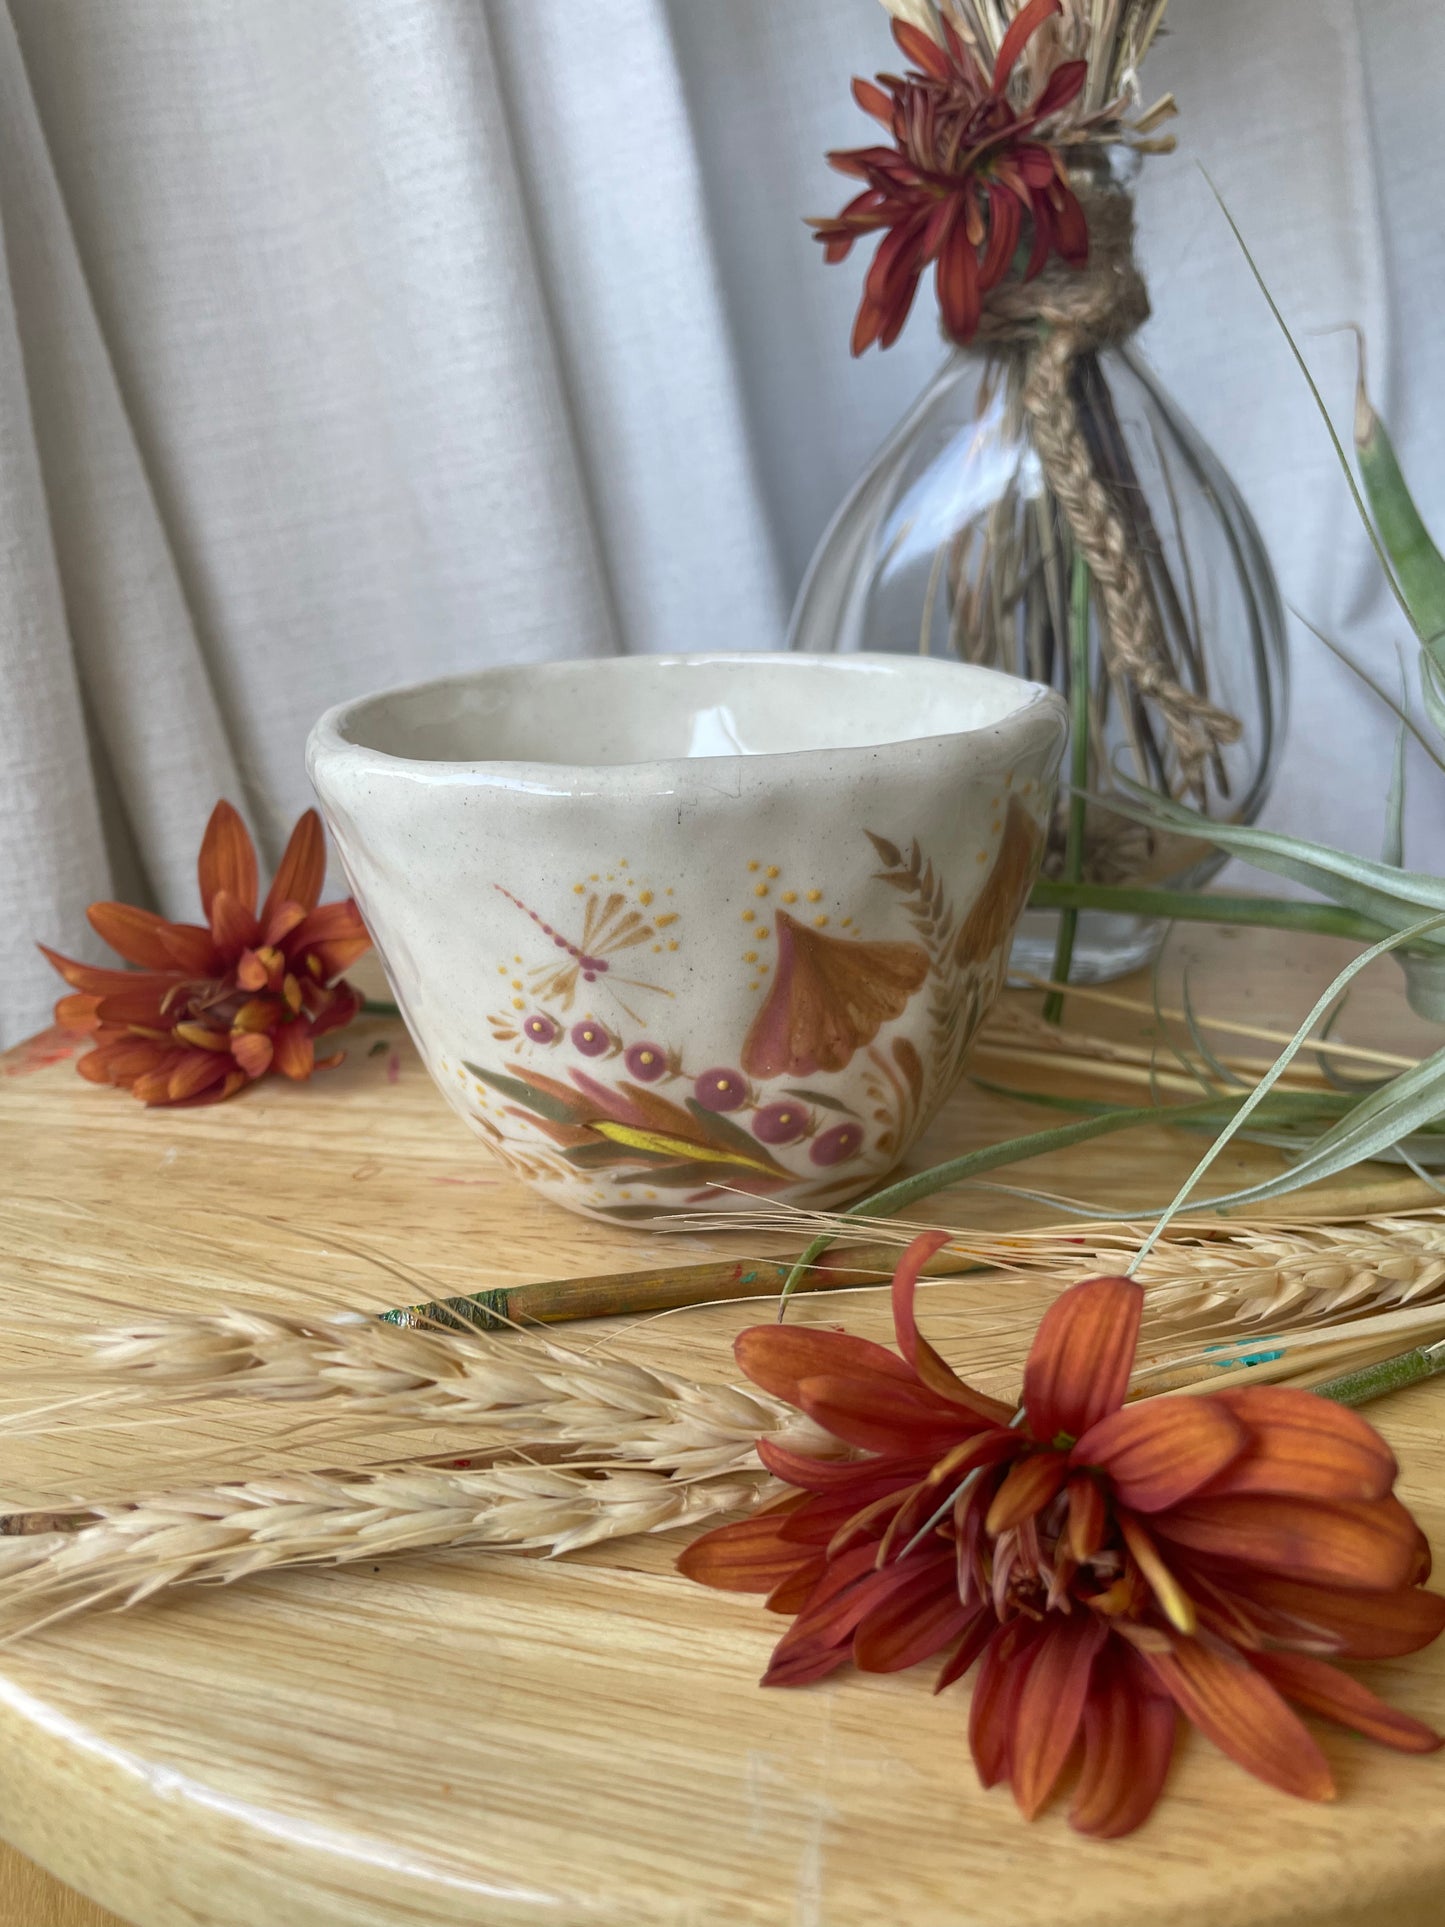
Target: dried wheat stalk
[546,1395]
[122,1554]
[660,1451]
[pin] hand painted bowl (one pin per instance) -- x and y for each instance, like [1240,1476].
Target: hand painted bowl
[683,933]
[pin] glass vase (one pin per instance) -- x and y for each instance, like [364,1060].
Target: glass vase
[955,543]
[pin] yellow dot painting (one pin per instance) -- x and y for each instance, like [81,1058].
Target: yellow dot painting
[790,896]
[815,896]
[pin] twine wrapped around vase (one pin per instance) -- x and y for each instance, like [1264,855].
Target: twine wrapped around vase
[1051,321]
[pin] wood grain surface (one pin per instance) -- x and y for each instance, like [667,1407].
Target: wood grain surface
[493,1739]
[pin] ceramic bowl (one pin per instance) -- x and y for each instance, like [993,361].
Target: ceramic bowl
[683,933]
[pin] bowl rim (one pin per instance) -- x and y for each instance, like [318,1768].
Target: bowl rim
[1037,705]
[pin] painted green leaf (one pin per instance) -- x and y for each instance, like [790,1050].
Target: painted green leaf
[821,1099]
[542,1103]
[726,1136]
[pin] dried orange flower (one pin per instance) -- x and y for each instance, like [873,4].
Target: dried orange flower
[212,1007]
[1108,1566]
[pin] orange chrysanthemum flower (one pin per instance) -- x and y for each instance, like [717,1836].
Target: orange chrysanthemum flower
[966,171]
[212,1008]
[1108,1566]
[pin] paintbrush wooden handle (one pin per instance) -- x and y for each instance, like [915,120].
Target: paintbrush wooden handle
[557,1301]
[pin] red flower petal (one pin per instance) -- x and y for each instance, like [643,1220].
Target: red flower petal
[996,1695]
[925,1361]
[1026,1490]
[918,1618]
[1128,1742]
[141,937]
[832,1475]
[874,101]
[1088,1517]
[790,1595]
[301,871]
[1355,1625]
[1245,1717]
[295,1053]
[227,860]
[1063,85]
[1305,1445]
[747,1557]
[78,1012]
[1051,1706]
[1005,226]
[959,299]
[121,1061]
[232,1082]
[334,933]
[881,1415]
[253,1051]
[820,1638]
[1071,228]
[233,924]
[1159,1451]
[923,50]
[143,1005]
[944,1478]
[91,979]
[198,1072]
[1022,29]
[976,1635]
[779,1357]
[281,919]
[1372,1547]
[867,325]
[1322,1688]
[1079,1364]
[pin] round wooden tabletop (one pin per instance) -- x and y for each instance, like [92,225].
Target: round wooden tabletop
[498,1739]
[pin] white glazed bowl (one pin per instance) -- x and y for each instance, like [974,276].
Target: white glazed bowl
[683,932]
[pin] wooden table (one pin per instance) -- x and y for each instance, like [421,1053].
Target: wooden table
[465,1739]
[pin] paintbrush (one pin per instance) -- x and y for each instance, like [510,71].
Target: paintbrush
[557,1301]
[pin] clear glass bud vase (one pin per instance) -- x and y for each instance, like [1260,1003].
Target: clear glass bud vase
[955,543]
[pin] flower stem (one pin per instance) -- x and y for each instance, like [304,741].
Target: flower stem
[1274,913]
[1078,779]
[378,1007]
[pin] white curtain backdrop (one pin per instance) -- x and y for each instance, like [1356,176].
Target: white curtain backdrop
[350,341]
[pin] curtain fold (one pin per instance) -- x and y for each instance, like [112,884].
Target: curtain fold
[365,340]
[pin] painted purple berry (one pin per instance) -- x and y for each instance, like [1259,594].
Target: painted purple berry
[781,1124]
[844,1141]
[541,1028]
[646,1062]
[590,1038]
[721,1090]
